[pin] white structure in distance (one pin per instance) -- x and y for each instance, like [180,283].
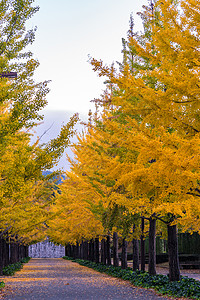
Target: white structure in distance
[46,249]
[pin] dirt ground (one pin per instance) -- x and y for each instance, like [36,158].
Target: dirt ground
[164,269]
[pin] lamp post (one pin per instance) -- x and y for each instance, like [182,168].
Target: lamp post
[8,75]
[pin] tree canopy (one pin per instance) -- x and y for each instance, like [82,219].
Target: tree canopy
[25,194]
[141,154]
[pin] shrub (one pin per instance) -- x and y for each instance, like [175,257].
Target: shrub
[12,268]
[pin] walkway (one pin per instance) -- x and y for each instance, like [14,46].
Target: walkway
[189,273]
[164,269]
[58,279]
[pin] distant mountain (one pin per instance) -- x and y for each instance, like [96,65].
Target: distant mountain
[59,179]
[50,127]
[45,173]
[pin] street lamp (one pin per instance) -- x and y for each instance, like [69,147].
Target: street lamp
[8,75]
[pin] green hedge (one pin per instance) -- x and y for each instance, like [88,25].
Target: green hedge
[186,287]
[12,268]
[2,284]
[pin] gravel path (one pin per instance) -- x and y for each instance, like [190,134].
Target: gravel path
[56,279]
[192,273]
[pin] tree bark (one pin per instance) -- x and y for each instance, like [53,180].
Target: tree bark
[1,258]
[90,255]
[81,250]
[13,253]
[66,250]
[103,251]
[77,250]
[96,250]
[135,252]
[70,250]
[135,255]
[124,254]
[92,250]
[85,250]
[174,269]
[5,253]
[152,246]
[23,252]
[20,252]
[74,251]
[26,250]
[89,250]
[115,250]
[142,247]
[108,253]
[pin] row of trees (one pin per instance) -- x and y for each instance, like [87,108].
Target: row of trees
[11,251]
[106,252]
[138,159]
[25,194]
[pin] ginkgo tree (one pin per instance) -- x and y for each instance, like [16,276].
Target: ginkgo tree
[163,180]
[88,195]
[159,126]
[25,194]
[143,155]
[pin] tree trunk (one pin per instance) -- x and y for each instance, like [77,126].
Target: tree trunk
[70,250]
[1,258]
[96,250]
[5,254]
[108,253]
[142,247]
[66,250]
[26,250]
[13,253]
[115,250]
[89,250]
[92,250]
[74,251]
[77,250]
[103,251]
[124,254]
[81,250]
[23,252]
[85,250]
[20,252]
[152,246]
[135,252]
[174,269]
[135,255]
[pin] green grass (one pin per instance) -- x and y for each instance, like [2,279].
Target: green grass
[12,268]
[186,287]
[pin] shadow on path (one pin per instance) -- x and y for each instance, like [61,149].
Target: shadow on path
[56,279]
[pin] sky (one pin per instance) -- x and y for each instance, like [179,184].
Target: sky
[70,30]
